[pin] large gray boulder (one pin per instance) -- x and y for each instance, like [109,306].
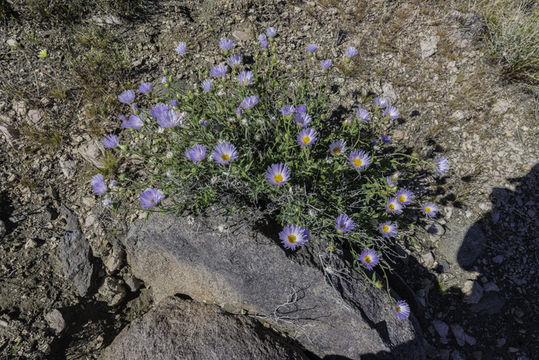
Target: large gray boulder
[183,329]
[332,312]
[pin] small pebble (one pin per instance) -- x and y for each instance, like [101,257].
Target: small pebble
[441,328]
[30,244]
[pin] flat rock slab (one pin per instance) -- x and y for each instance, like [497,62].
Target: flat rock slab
[74,252]
[183,329]
[247,271]
[463,242]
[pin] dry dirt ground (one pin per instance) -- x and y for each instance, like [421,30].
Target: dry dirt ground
[426,56]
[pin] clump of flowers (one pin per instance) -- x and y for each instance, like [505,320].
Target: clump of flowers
[250,134]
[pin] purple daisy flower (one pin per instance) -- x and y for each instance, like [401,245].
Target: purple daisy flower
[174,103]
[302,119]
[134,122]
[388,229]
[196,154]
[350,52]
[127,97]
[359,159]
[441,165]
[145,88]
[218,71]
[99,185]
[306,234]
[207,85]
[386,139]
[122,117]
[245,78]
[344,224]
[271,32]
[234,60]
[181,49]
[151,197]
[135,108]
[430,209]
[277,174]
[249,101]
[393,206]
[110,141]
[392,112]
[165,115]
[380,102]
[311,48]
[226,44]
[326,64]
[301,109]
[239,111]
[263,41]
[287,110]
[307,137]
[390,182]
[293,236]
[402,310]
[404,196]
[369,258]
[223,153]
[337,147]
[363,115]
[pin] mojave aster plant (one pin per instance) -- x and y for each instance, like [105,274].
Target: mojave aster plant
[251,135]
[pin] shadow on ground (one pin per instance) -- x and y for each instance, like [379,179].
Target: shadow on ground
[495,317]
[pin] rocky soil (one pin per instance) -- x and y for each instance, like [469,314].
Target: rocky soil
[66,286]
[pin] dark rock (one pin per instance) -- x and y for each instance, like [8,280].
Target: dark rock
[491,303]
[74,252]
[182,329]
[248,271]
[435,229]
[442,267]
[459,334]
[473,291]
[441,328]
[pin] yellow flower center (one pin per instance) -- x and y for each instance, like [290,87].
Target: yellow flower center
[398,309]
[385,228]
[402,198]
[278,178]
[292,238]
[427,209]
[306,139]
[391,206]
[225,157]
[337,150]
[357,162]
[367,259]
